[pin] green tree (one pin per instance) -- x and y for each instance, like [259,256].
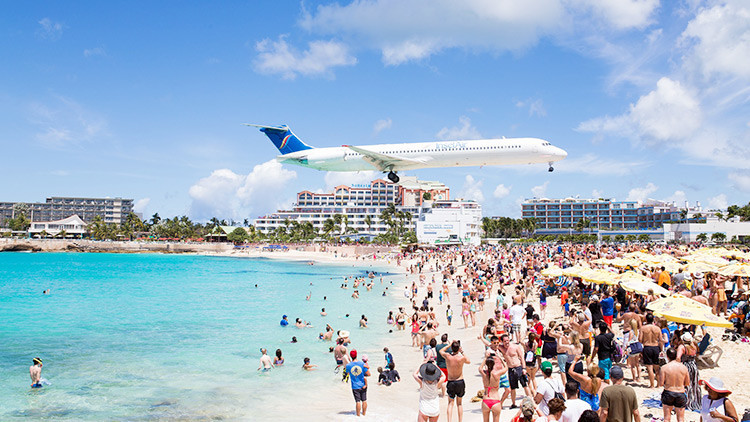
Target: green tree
[606,238]
[683,215]
[583,223]
[644,237]
[238,235]
[619,238]
[368,221]
[719,237]
[702,237]
[427,196]
[630,238]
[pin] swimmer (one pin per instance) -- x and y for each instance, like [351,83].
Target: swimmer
[294,339]
[323,312]
[325,297]
[35,371]
[278,360]
[265,361]
[307,366]
[363,322]
[308,296]
[327,336]
[301,324]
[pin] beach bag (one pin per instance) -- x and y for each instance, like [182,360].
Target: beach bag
[635,348]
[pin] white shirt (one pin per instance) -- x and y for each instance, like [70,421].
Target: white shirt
[547,388]
[517,314]
[573,410]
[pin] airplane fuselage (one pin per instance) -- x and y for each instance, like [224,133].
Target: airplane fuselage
[485,152]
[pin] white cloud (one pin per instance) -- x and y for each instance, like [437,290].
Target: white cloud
[278,57]
[740,180]
[408,50]
[381,125]
[718,202]
[501,191]
[472,189]
[622,14]
[669,113]
[348,178]
[65,122]
[50,30]
[535,106]
[594,165]
[721,37]
[141,204]
[642,193]
[464,132]
[96,51]
[225,194]
[540,191]
[596,193]
[678,197]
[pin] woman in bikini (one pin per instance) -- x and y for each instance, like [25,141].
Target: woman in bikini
[591,386]
[492,370]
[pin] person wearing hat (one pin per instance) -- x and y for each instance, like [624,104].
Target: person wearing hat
[357,372]
[715,405]
[284,321]
[619,402]
[527,411]
[35,371]
[548,389]
[430,379]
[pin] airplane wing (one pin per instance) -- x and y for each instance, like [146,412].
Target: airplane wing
[384,162]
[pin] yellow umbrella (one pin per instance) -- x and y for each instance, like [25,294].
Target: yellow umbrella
[574,271]
[739,269]
[632,275]
[681,309]
[600,276]
[625,262]
[699,267]
[709,259]
[643,286]
[552,271]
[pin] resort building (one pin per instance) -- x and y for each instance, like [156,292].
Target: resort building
[112,210]
[72,226]
[357,202]
[450,223]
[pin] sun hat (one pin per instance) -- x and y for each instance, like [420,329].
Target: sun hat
[429,372]
[353,353]
[687,337]
[527,407]
[594,298]
[365,358]
[343,333]
[546,365]
[715,384]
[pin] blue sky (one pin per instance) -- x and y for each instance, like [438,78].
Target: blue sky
[145,100]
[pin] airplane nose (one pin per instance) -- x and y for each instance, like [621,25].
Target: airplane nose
[561,153]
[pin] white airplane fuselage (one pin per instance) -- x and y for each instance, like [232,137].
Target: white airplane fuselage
[484,152]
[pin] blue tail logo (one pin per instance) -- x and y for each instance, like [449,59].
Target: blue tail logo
[283,138]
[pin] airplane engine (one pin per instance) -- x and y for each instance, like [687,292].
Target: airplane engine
[316,156]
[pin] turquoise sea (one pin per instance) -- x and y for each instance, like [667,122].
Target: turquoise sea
[172,337]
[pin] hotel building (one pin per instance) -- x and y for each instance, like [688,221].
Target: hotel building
[357,202]
[450,223]
[112,210]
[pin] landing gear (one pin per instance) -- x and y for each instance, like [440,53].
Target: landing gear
[393,177]
[551,169]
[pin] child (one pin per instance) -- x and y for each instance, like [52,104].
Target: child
[449,314]
[307,366]
[388,356]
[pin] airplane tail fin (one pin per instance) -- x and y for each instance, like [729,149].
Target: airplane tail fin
[283,137]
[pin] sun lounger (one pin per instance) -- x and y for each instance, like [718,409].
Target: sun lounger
[706,351]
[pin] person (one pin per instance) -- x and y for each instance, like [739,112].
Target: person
[339,352]
[686,353]
[634,349]
[323,312]
[619,402]
[363,322]
[357,375]
[604,347]
[388,356]
[278,360]
[608,308]
[307,366]
[455,387]
[284,321]
[429,378]
[542,301]
[265,361]
[674,377]
[439,359]
[548,389]
[527,411]
[556,409]
[449,314]
[652,340]
[564,301]
[392,373]
[590,385]
[492,371]
[35,371]
[715,405]
[513,354]
[517,319]
[530,356]
[588,416]
[574,407]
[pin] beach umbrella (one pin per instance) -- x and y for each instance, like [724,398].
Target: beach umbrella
[699,267]
[552,271]
[709,259]
[574,271]
[625,262]
[600,277]
[684,310]
[643,286]
[736,269]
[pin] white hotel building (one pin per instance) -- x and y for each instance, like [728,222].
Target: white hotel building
[357,202]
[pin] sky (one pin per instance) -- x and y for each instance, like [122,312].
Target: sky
[146,100]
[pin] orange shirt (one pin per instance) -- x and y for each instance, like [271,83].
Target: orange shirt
[564,297]
[665,279]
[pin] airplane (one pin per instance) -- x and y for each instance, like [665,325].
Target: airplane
[392,158]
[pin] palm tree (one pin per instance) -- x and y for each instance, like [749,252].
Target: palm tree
[683,215]
[702,237]
[328,226]
[720,216]
[368,221]
[718,237]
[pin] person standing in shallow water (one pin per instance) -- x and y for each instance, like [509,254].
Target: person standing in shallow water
[35,371]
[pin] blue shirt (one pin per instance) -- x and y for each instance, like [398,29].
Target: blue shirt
[356,371]
[608,306]
[388,358]
[284,323]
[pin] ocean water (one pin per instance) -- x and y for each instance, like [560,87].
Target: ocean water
[173,337]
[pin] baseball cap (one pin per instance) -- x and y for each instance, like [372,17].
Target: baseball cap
[616,373]
[353,353]
[546,365]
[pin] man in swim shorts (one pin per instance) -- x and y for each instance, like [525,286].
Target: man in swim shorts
[357,372]
[514,357]
[339,352]
[456,388]
[650,337]
[675,378]
[35,371]
[265,361]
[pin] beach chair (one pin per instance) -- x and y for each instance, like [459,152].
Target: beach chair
[706,351]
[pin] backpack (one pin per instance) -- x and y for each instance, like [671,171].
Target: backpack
[557,395]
